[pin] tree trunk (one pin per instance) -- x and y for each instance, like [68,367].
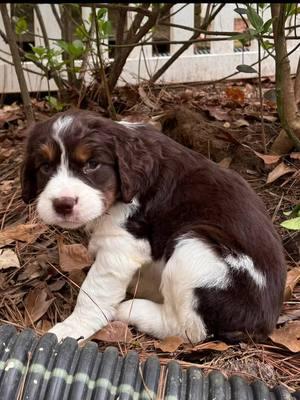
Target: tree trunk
[17,62]
[297,84]
[286,102]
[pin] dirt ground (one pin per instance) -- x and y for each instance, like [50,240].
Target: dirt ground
[43,270]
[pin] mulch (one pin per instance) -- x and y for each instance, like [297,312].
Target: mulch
[222,122]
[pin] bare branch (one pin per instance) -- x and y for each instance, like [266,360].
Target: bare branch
[185,45]
[118,6]
[297,84]
[56,15]
[17,62]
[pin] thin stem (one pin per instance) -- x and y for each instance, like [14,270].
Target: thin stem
[263,134]
[111,109]
[56,15]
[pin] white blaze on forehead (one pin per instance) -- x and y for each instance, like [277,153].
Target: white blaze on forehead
[59,127]
[90,202]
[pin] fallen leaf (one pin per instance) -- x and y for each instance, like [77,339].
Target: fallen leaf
[8,259]
[288,336]
[217,346]
[46,325]
[280,170]
[24,232]
[57,285]
[235,94]
[270,95]
[146,99]
[218,113]
[36,305]
[268,158]
[77,276]
[270,118]
[225,162]
[73,256]
[116,331]
[241,123]
[289,316]
[169,344]
[295,155]
[5,153]
[31,271]
[292,224]
[293,277]
[6,186]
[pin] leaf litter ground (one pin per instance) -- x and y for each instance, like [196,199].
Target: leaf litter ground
[42,267]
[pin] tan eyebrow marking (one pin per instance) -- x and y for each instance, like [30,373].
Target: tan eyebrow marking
[48,151]
[82,153]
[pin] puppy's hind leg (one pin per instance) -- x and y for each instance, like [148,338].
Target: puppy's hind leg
[190,266]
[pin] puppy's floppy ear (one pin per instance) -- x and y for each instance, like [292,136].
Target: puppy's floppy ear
[137,167]
[28,180]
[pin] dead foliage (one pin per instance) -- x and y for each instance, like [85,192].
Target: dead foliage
[42,268]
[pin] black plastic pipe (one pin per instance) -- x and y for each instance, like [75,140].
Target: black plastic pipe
[34,368]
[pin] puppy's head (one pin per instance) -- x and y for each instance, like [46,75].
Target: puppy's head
[78,165]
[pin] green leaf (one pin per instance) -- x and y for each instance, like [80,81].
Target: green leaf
[293,9]
[242,36]
[267,25]
[293,224]
[106,28]
[39,51]
[32,57]
[266,44]
[63,45]
[81,32]
[241,11]
[54,103]
[256,20]
[294,212]
[21,26]
[246,69]
[76,48]
[101,13]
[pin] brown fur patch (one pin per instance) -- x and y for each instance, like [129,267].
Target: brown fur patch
[82,153]
[47,150]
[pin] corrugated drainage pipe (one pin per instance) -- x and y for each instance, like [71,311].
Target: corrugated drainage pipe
[34,368]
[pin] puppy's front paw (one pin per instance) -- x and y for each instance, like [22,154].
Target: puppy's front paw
[66,329]
[63,330]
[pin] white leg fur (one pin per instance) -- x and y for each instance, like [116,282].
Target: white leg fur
[193,264]
[118,257]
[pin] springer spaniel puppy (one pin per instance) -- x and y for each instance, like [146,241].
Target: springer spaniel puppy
[208,253]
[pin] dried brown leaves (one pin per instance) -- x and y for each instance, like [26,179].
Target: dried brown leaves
[73,256]
[280,170]
[288,336]
[293,277]
[169,344]
[24,233]
[36,304]
[8,259]
[114,332]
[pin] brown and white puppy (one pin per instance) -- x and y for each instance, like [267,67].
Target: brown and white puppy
[151,203]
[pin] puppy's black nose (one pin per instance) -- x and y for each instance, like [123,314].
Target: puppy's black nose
[64,205]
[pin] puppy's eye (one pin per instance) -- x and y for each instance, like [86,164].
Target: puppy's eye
[91,166]
[46,168]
